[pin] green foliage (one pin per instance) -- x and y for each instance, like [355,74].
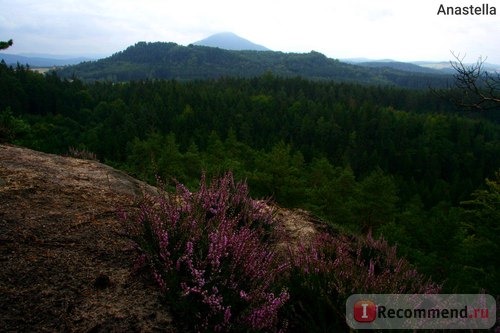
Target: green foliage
[333,192]
[6,45]
[156,156]
[480,242]
[397,162]
[12,129]
[278,173]
[161,60]
[429,239]
[375,204]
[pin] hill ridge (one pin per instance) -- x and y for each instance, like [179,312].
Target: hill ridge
[168,60]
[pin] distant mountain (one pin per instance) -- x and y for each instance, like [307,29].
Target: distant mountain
[355,60]
[41,61]
[230,41]
[445,66]
[442,66]
[402,66]
[172,61]
[416,67]
[431,67]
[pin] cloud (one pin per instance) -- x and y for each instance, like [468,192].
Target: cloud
[356,28]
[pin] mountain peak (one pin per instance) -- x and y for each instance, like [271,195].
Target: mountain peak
[230,41]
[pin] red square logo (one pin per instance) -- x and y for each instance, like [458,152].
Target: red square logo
[365,311]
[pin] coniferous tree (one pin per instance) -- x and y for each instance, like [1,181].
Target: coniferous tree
[377,198]
[481,240]
[6,45]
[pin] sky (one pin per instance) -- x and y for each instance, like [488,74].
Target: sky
[376,29]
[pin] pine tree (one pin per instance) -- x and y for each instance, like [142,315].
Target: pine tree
[6,45]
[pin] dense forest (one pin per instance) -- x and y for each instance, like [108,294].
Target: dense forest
[402,163]
[172,61]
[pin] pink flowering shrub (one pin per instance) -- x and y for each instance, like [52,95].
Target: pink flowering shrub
[216,256]
[211,253]
[83,154]
[326,271]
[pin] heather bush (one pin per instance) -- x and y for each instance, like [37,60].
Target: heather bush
[83,154]
[327,270]
[217,257]
[211,253]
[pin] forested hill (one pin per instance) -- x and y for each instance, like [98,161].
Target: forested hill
[172,61]
[398,162]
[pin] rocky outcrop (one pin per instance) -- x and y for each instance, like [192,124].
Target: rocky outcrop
[65,262]
[64,256]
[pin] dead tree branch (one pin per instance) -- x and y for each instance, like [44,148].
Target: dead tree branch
[479,89]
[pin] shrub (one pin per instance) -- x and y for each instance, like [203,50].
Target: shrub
[326,271]
[211,253]
[82,153]
[12,128]
[219,260]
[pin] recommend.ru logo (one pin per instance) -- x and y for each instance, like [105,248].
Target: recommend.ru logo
[421,311]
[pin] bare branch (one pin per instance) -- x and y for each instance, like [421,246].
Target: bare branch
[480,90]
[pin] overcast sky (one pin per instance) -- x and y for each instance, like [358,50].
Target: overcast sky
[376,29]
